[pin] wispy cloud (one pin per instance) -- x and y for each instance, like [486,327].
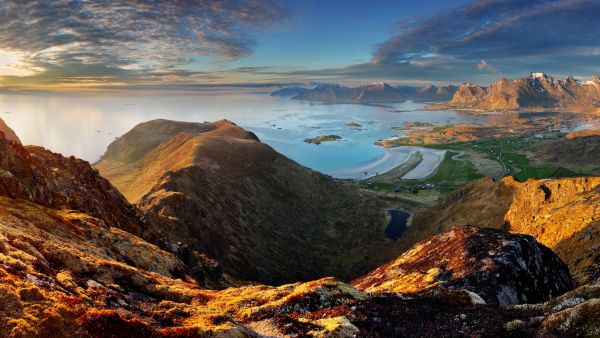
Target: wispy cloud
[510,34]
[484,66]
[130,39]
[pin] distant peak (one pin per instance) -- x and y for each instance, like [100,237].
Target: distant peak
[378,84]
[538,75]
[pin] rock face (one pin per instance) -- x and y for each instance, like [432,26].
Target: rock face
[40,176]
[501,268]
[538,90]
[217,189]
[562,214]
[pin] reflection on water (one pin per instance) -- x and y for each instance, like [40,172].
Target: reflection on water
[83,125]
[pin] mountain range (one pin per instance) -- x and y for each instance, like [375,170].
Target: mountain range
[534,92]
[379,92]
[537,91]
[81,257]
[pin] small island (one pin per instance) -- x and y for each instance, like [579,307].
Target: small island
[353,124]
[322,138]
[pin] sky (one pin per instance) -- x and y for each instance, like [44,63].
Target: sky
[160,45]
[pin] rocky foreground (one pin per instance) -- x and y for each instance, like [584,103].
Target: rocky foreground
[77,259]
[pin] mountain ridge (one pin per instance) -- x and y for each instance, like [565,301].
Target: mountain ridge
[221,190]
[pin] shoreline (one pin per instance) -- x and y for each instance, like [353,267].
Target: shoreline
[392,159]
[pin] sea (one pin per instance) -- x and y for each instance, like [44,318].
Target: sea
[83,125]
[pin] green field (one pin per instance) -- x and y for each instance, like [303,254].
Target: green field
[507,152]
[455,173]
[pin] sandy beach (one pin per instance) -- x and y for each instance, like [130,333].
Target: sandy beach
[392,158]
[431,161]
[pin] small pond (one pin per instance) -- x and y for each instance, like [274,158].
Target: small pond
[397,226]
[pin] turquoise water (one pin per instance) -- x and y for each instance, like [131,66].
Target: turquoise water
[84,125]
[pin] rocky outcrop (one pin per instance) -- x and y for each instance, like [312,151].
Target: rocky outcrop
[8,133]
[220,191]
[562,214]
[538,90]
[52,180]
[497,267]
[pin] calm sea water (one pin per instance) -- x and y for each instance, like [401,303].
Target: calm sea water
[84,125]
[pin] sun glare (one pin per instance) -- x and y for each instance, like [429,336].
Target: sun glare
[12,64]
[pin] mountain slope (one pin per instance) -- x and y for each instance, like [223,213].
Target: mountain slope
[221,191]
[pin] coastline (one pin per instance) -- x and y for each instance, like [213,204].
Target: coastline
[392,159]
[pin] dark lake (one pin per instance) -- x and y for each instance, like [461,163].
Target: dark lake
[397,226]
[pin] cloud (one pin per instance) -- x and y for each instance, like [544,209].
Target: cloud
[516,36]
[475,41]
[484,66]
[130,38]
